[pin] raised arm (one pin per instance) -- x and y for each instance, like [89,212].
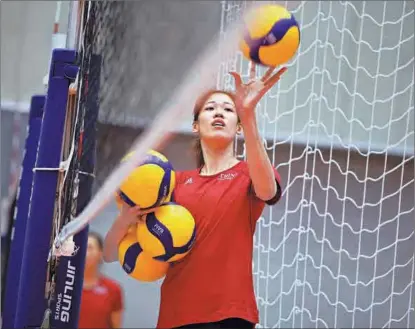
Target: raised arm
[259,165]
[248,95]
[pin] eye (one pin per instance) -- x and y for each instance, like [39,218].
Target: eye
[209,108]
[229,109]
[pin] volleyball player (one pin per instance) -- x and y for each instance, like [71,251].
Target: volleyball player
[212,287]
[102,303]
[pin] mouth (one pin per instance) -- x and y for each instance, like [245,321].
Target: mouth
[218,123]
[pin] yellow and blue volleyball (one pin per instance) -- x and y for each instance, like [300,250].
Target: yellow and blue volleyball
[271,35]
[137,263]
[168,233]
[150,184]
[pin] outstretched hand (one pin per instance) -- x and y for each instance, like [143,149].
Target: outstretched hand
[249,94]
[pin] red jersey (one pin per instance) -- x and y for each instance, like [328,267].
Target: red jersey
[99,302]
[215,281]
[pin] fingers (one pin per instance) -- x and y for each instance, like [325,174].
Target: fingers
[274,79]
[141,219]
[137,215]
[238,79]
[269,83]
[147,211]
[141,214]
[266,79]
[135,210]
[252,71]
[267,74]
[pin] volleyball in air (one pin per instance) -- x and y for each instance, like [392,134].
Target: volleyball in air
[150,184]
[271,35]
[168,233]
[137,263]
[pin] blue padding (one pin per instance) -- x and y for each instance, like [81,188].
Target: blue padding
[14,264]
[86,148]
[31,302]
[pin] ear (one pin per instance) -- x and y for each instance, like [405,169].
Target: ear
[239,129]
[195,127]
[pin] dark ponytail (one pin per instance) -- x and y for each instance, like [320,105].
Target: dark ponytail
[200,160]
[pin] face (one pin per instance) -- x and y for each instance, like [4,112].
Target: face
[218,120]
[93,253]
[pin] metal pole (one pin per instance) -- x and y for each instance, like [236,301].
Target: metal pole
[73,24]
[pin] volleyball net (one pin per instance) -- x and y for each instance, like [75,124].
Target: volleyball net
[54,186]
[337,251]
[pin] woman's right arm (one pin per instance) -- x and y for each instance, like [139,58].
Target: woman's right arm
[127,217]
[117,231]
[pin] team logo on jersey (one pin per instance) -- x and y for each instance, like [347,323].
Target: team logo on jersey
[228,176]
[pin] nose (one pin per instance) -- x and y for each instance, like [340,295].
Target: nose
[218,114]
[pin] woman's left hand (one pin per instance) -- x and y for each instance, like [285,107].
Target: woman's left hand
[249,94]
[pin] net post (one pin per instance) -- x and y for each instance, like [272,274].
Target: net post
[22,209]
[31,296]
[73,18]
[71,269]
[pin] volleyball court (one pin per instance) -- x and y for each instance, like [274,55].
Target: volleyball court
[337,251]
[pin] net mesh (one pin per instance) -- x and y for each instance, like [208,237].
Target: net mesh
[337,251]
[78,158]
[146,51]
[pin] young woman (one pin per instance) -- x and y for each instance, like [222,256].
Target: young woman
[212,287]
[102,298]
